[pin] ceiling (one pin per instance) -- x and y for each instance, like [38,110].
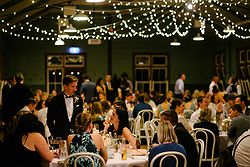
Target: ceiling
[38,19]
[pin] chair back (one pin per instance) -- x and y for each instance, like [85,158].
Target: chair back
[200,147]
[132,124]
[146,115]
[137,128]
[164,155]
[207,136]
[84,155]
[149,128]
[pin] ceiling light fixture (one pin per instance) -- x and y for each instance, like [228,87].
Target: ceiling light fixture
[80,17]
[95,0]
[70,29]
[198,37]
[59,42]
[175,43]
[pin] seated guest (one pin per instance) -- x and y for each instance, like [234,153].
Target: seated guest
[202,103]
[120,125]
[84,141]
[242,151]
[30,105]
[239,124]
[97,114]
[242,100]
[141,105]
[28,147]
[163,106]
[184,138]
[167,142]
[205,122]
[129,103]
[178,107]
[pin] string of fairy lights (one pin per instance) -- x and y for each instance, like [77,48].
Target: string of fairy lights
[146,19]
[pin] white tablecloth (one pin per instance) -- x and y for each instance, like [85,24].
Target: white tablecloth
[136,161]
[224,141]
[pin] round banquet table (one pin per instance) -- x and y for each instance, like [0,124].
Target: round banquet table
[136,160]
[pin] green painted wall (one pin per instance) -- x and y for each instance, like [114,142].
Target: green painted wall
[193,58]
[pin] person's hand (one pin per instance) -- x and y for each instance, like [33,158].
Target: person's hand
[56,155]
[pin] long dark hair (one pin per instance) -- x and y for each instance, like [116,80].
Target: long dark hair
[28,123]
[123,120]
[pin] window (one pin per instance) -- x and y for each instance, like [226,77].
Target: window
[59,65]
[150,71]
[220,65]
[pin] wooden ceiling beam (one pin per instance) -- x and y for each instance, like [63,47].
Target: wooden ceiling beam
[15,8]
[4,2]
[34,11]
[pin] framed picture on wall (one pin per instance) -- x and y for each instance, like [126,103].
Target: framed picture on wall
[54,60]
[242,57]
[74,61]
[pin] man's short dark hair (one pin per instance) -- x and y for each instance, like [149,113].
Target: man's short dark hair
[237,107]
[170,115]
[19,77]
[68,79]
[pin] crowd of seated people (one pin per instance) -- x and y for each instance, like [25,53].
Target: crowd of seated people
[111,106]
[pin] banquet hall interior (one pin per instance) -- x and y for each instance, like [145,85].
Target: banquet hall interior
[152,41]
[125,36]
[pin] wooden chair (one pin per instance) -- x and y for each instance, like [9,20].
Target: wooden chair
[86,156]
[164,155]
[206,133]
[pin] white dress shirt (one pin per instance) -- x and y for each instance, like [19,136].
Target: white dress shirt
[69,102]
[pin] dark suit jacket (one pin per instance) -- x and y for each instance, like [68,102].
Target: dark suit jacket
[187,141]
[57,117]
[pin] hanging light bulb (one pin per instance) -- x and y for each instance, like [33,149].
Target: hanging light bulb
[175,43]
[198,37]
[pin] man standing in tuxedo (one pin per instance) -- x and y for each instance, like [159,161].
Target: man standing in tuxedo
[63,109]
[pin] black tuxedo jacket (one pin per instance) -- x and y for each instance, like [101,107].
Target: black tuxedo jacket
[187,141]
[57,116]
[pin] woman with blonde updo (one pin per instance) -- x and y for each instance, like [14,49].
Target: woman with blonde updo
[167,142]
[85,141]
[205,122]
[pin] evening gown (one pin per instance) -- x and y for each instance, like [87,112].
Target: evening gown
[83,143]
